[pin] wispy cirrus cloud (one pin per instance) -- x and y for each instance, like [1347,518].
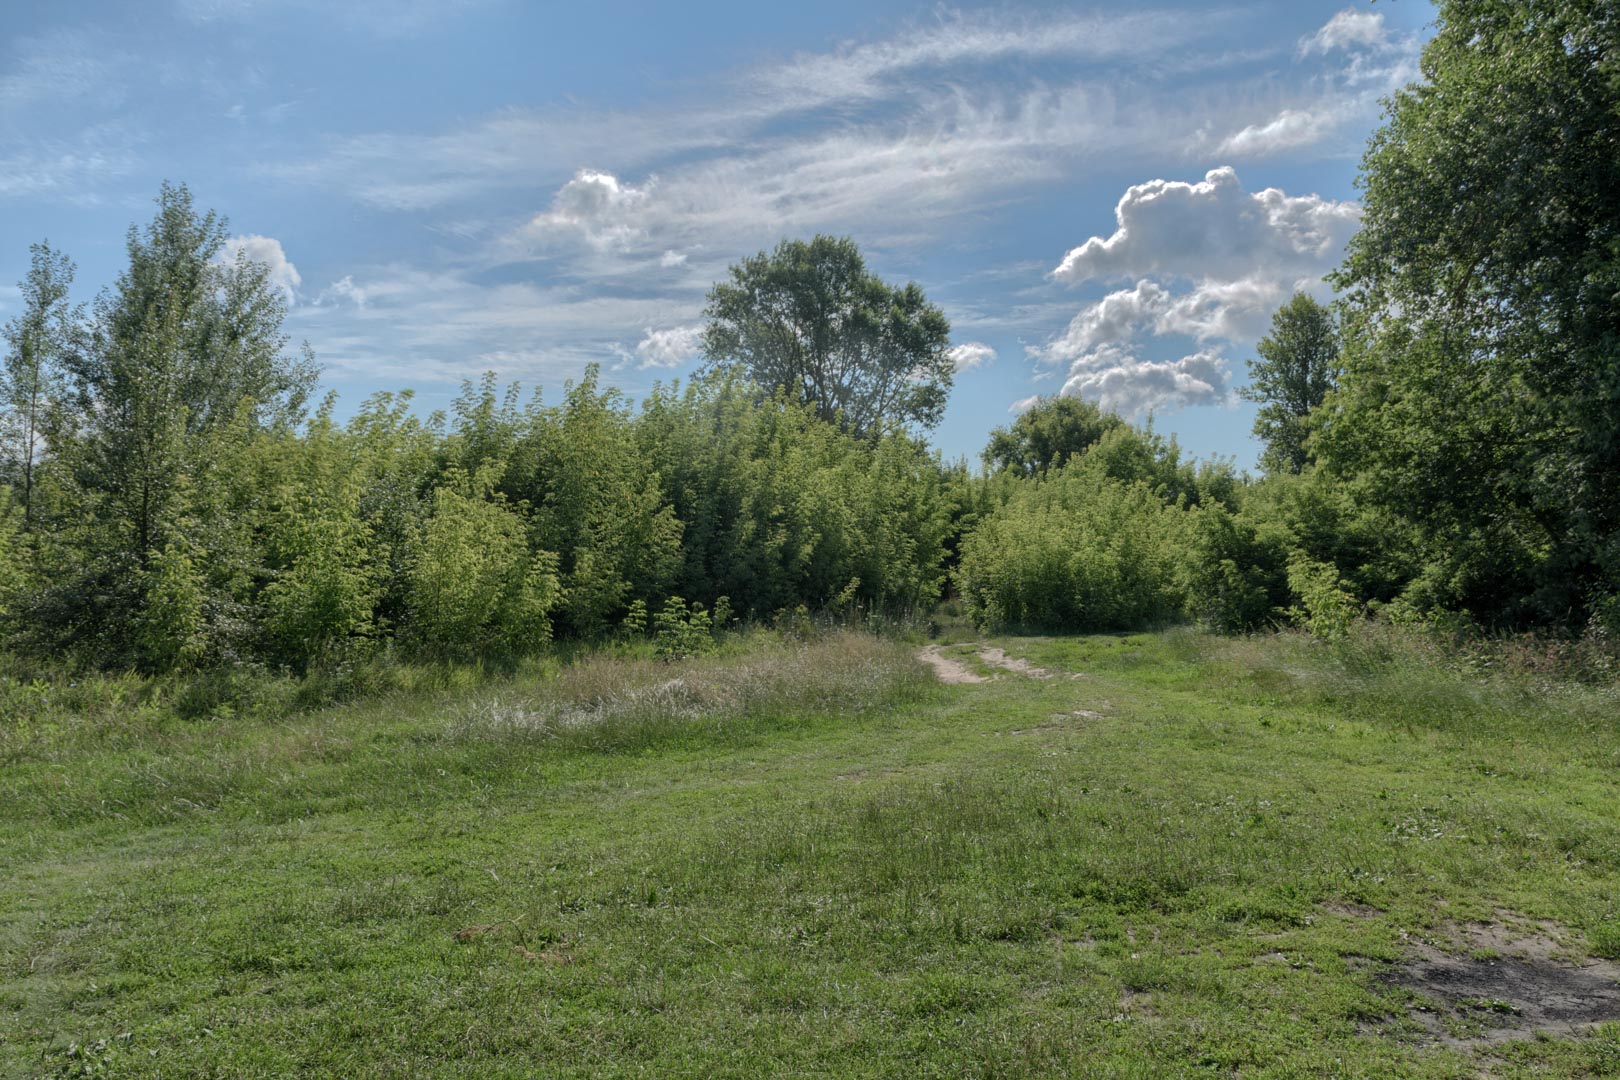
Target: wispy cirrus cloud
[1366,60]
[627,213]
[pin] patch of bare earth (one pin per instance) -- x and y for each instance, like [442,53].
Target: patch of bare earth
[946,669]
[1506,979]
[1017,665]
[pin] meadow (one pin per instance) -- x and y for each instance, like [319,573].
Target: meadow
[1116,855]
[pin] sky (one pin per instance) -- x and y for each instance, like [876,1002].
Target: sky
[1105,200]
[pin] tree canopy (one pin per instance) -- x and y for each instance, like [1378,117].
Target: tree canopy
[1481,393]
[1047,434]
[1298,365]
[810,321]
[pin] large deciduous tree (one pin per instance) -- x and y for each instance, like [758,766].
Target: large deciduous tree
[1481,392]
[1298,365]
[1047,434]
[809,320]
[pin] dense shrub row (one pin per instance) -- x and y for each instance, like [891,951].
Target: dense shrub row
[485,533]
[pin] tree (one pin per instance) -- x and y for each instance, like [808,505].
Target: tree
[1048,433]
[1481,394]
[809,321]
[185,364]
[38,343]
[1298,365]
[181,344]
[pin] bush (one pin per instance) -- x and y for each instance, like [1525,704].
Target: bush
[1077,552]
[1235,570]
[680,632]
[474,586]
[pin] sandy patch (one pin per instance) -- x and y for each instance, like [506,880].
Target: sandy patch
[946,669]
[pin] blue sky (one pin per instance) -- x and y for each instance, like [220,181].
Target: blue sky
[1106,200]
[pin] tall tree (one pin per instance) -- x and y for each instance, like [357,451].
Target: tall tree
[185,364]
[1298,366]
[1047,434]
[38,343]
[1482,370]
[186,344]
[809,320]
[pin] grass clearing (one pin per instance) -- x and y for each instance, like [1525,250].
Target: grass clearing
[1201,855]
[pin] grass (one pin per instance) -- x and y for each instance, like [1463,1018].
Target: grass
[805,858]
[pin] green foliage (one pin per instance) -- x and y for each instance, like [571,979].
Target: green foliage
[1234,569]
[779,508]
[472,583]
[1075,551]
[1049,433]
[680,632]
[1326,609]
[598,504]
[1298,366]
[634,623]
[321,553]
[31,380]
[14,575]
[169,631]
[1481,391]
[810,321]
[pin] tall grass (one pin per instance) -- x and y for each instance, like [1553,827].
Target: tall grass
[618,702]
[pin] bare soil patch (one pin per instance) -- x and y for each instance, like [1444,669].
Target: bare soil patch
[946,669]
[998,658]
[1507,979]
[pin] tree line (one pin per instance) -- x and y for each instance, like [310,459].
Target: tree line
[1442,443]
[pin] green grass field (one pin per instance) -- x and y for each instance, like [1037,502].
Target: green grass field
[1174,855]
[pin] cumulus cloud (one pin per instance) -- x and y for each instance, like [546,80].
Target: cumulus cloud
[1236,311]
[1212,228]
[971,354]
[1113,318]
[1024,404]
[671,259]
[596,207]
[265,250]
[1118,381]
[670,348]
[1212,261]
[1349,29]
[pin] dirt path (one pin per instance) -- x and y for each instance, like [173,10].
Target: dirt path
[948,670]
[997,658]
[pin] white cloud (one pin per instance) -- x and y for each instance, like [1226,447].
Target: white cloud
[670,348]
[1120,382]
[1288,130]
[265,250]
[1024,404]
[1115,317]
[671,259]
[344,289]
[1213,229]
[840,138]
[596,207]
[1212,261]
[1349,29]
[1235,311]
[870,70]
[971,354]
[72,170]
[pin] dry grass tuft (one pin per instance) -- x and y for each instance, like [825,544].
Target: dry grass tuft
[616,700]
